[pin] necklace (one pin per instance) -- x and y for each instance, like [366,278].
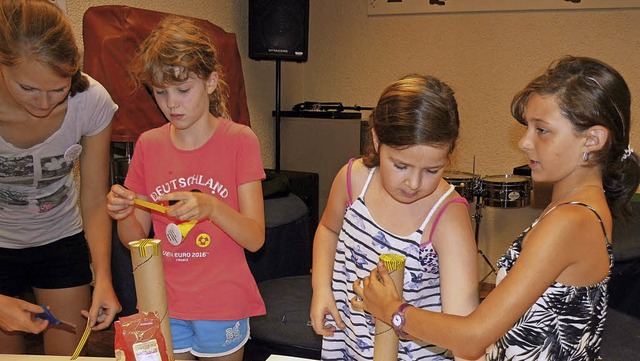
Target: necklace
[571,191]
[550,206]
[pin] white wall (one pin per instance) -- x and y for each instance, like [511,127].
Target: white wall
[485,56]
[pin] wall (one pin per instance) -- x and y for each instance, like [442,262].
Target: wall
[231,15]
[486,57]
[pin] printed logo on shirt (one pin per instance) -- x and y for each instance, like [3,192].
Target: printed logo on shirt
[18,173]
[178,184]
[184,256]
[203,240]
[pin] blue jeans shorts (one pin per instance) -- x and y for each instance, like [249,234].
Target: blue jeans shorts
[204,338]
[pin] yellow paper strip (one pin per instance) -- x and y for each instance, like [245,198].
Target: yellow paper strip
[392,261]
[83,341]
[150,205]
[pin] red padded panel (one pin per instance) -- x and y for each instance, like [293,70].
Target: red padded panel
[111,37]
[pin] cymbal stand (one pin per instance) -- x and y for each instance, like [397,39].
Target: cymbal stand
[477,217]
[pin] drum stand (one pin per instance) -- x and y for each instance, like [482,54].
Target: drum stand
[121,153]
[477,217]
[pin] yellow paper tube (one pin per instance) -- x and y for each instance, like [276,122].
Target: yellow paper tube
[148,275]
[385,342]
[185,227]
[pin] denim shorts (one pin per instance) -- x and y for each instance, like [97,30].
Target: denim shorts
[60,264]
[205,338]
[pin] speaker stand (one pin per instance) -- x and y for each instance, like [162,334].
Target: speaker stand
[278,76]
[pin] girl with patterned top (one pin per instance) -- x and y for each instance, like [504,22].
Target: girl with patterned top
[395,200]
[550,300]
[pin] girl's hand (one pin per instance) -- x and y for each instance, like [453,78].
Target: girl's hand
[120,202]
[18,315]
[104,307]
[187,206]
[320,308]
[375,292]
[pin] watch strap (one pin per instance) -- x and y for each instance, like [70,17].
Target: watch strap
[402,307]
[399,329]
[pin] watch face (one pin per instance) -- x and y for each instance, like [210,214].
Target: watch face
[396,320]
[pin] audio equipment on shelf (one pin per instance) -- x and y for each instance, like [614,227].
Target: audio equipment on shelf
[326,106]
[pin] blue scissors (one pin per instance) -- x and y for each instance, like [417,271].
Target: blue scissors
[47,315]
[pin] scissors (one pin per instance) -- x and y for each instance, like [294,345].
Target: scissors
[47,315]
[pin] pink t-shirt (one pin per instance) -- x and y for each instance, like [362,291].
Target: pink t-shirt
[206,275]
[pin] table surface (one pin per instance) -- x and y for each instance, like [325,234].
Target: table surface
[50,358]
[286,358]
[66,358]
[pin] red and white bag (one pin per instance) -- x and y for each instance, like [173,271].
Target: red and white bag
[138,338]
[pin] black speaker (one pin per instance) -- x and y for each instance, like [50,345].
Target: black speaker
[278,30]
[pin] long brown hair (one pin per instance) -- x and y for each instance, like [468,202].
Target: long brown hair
[39,30]
[415,110]
[590,92]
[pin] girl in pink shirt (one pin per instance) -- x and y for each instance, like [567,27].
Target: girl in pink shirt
[207,169]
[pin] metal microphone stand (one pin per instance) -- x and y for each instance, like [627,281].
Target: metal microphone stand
[477,217]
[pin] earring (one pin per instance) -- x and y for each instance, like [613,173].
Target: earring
[585,156]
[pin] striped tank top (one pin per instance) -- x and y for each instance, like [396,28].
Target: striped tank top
[360,243]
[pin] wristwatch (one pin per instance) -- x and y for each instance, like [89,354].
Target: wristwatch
[398,320]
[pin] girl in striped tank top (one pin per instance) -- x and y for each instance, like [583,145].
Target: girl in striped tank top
[395,200]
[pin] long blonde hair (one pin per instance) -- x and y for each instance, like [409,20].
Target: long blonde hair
[177,43]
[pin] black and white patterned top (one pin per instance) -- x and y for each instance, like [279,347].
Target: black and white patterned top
[565,323]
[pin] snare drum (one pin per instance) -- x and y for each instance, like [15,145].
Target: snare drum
[506,190]
[463,182]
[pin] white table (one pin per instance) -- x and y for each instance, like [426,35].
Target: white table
[50,358]
[285,358]
[66,358]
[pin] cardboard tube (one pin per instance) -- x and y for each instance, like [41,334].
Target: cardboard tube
[148,275]
[385,342]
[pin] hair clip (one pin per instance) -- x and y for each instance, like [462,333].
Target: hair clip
[627,153]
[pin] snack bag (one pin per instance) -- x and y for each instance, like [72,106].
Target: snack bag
[138,338]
